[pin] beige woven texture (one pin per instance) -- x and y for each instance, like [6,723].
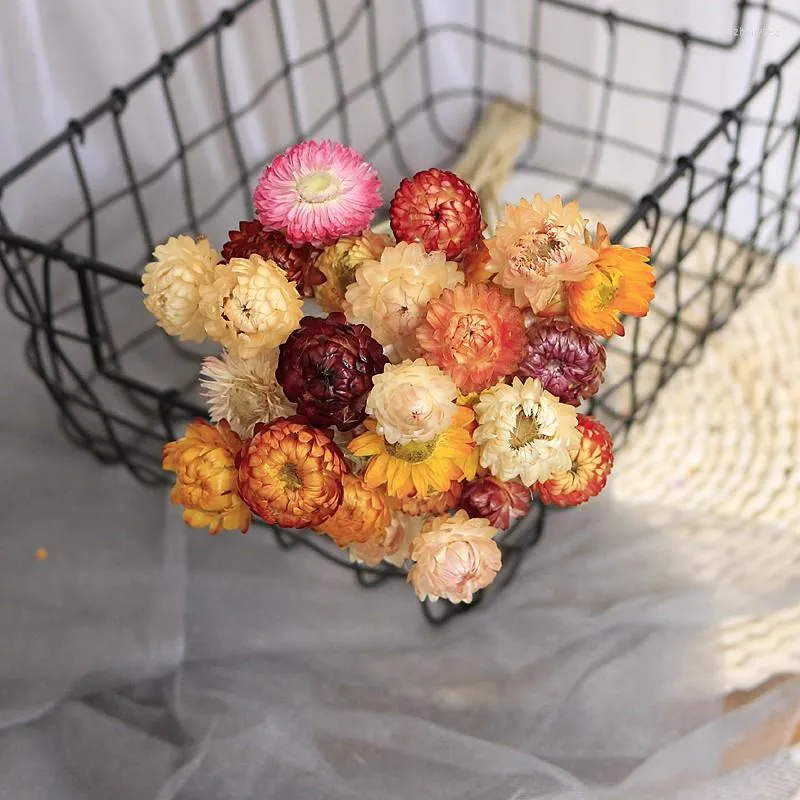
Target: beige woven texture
[716,460]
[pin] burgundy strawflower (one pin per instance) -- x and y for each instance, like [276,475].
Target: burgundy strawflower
[497,501]
[326,366]
[568,362]
[438,209]
[297,262]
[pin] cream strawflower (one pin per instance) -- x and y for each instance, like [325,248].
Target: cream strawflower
[537,247]
[244,390]
[411,402]
[172,284]
[524,432]
[391,545]
[390,295]
[453,558]
[251,306]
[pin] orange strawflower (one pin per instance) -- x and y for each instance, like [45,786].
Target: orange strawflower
[620,283]
[290,474]
[204,461]
[438,503]
[474,333]
[363,514]
[475,263]
[592,461]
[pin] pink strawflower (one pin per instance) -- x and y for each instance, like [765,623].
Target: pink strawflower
[316,192]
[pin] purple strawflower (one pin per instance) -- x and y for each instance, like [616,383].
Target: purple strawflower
[568,362]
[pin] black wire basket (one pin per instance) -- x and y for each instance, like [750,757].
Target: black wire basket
[123,388]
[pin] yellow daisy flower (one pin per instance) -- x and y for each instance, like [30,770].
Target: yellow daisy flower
[418,468]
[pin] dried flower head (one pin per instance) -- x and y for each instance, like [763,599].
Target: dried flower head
[412,401]
[475,334]
[439,209]
[390,295]
[317,192]
[204,462]
[620,282]
[568,362]
[290,474]
[592,460]
[538,246]
[172,285]
[453,558]
[437,503]
[299,263]
[417,468]
[327,366]
[499,502]
[339,262]
[244,391]
[390,545]
[251,306]
[363,514]
[524,432]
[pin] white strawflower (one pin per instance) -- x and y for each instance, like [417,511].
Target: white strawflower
[390,295]
[251,306]
[525,432]
[244,391]
[411,402]
[172,285]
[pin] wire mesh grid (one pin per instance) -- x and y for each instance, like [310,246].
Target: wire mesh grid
[727,199]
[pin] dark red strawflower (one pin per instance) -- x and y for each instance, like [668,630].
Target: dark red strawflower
[568,362]
[298,262]
[326,366]
[436,208]
[499,502]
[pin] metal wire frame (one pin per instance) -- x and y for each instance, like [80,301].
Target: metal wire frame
[82,358]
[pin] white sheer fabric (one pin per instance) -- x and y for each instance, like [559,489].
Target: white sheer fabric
[141,660]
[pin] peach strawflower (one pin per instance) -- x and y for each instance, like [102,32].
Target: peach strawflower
[390,295]
[251,306]
[475,334]
[417,468]
[453,558]
[620,283]
[364,513]
[290,474]
[592,461]
[339,262]
[524,431]
[537,247]
[437,503]
[172,285]
[390,545]
[317,192]
[244,391]
[412,401]
[204,462]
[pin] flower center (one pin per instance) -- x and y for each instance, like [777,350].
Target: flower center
[290,476]
[534,251]
[470,332]
[607,288]
[318,187]
[526,430]
[413,452]
[347,274]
